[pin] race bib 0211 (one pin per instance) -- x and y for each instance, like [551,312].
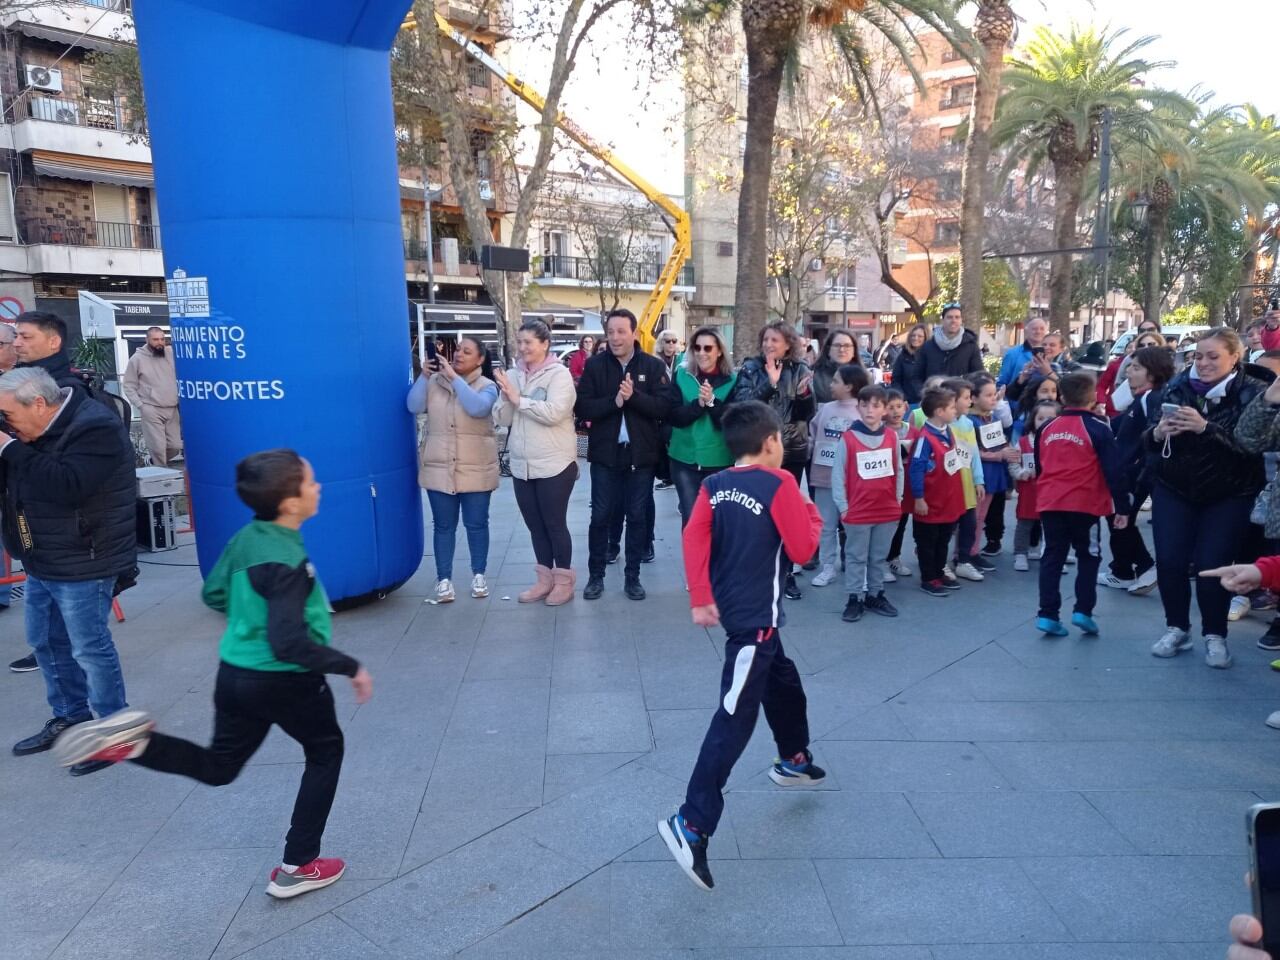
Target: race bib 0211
[875,464]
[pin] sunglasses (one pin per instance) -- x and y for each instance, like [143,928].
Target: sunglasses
[704,347]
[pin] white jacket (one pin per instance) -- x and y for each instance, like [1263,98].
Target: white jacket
[542,441]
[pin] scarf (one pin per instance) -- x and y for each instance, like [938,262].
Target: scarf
[549,360]
[944,342]
[1211,391]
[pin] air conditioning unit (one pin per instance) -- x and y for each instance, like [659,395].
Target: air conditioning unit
[815,265]
[486,190]
[55,110]
[44,78]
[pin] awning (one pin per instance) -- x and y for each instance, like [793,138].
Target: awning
[67,38]
[70,166]
[459,317]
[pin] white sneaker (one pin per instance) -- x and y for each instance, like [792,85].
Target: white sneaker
[1174,641]
[1020,563]
[898,568]
[1239,608]
[479,586]
[889,577]
[1109,579]
[1144,583]
[444,591]
[1273,720]
[969,572]
[1216,654]
[825,576]
[1037,553]
[947,572]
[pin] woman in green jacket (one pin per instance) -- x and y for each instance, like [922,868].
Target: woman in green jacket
[699,393]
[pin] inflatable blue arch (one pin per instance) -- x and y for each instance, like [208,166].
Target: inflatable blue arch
[273,140]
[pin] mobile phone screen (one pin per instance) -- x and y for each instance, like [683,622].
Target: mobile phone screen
[431,351]
[1265,841]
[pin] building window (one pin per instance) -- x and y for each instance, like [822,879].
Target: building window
[946,233]
[8,232]
[958,95]
[948,186]
[477,73]
[724,248]
[950,55]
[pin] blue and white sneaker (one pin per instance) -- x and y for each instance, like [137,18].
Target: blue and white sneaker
[689,849]
[799,771]
[1085,623]
[1050,628]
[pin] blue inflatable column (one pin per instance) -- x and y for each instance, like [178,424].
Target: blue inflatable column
[274,146]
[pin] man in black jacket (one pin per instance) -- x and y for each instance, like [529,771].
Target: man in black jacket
[952,351]
[623,393]
[41,342]
[68,489]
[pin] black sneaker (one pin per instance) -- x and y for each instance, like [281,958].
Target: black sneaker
[950,583]
[632,589]
[934,588]
[982,563]
[690,854]
[791,589]
[28,663]
[647,556]
[880,604]
[44,739]
[991,548]
[90,766]
[1271,639]
[594,588]
[812,564]
[852,609]
[611,555]
[663,485]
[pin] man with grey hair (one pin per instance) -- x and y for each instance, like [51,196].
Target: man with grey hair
[151,384]
[8,355]
[67,494]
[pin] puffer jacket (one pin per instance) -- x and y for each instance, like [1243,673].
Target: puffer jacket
[908,374]
[1258,430]
[793,405]
[69,496]
[461,452]
[542,441]
[1212,466]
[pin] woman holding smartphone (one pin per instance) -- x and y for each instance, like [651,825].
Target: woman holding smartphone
[699,393]
[1205,484]
[458,463]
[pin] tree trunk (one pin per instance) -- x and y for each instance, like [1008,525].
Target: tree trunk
[1248,275]
[1157,227]
[751,291]
[1069,185]
[975,181]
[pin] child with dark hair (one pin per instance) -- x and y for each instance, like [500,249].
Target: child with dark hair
[1023,473]
[936,489]
[996,454]
[826,431]
[971,476]
[274,655]
[749,524]
[1078,482]
[895,421]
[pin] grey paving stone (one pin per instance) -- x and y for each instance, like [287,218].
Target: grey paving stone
[1196,951]
[567,772]
[598,722]
[1142,898]
[814,953]
[253,811]
[326,937]
[1054,951]
[755,904]
[880,722]
[1178,822]
[478,771]
[511,658]
[935,901]
[1008,823]
[827,825]
[599,664]
[513,710]
[262,918]
[574,920]
[129,922]
[876,765]
[443,828]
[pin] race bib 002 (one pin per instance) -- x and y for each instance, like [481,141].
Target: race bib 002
[875,464]
[825,453]
[951,462]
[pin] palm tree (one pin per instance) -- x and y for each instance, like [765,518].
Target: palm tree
[993,28]
[1052,109]
[1262,158]
[774,30]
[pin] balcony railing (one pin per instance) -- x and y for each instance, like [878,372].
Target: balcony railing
[94,233]
[123,6]
[415,249]
[99,113]
[587,270]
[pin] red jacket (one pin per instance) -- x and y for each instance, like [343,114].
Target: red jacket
[1270,338]
[1028,509]
[1107,386]
[1270,567]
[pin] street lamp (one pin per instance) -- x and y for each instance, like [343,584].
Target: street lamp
[1138,208]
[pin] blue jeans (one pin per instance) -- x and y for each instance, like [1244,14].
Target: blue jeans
[444,524]
[67,630]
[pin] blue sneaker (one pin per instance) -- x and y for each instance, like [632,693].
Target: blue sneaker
[689,849]
[1050,628]
[1086,623]
[797,772]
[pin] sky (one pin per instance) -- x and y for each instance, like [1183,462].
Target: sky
[1227,46]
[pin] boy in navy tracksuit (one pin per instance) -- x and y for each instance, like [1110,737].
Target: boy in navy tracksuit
[1078,483]
[749,524]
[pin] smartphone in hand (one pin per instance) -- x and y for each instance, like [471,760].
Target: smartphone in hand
[1263,825]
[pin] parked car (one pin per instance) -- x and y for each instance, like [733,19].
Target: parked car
[1175,336]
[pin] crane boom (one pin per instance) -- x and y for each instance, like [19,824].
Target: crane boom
[675,216]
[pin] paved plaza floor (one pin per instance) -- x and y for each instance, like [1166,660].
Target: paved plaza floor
[992,795]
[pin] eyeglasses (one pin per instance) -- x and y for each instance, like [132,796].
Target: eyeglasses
[842,346]
[670,340]
[704,347]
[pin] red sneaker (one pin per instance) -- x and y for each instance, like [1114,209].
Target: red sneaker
[121,736]
[320,872]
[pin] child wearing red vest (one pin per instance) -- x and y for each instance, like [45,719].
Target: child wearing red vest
[866,484]
[895,421]
[937,489]
[1078,483]
[1024,475]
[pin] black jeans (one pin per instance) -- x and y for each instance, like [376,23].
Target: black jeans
[688,480]
[1063,531]
[632,488]
[895,548]
[544,504]
[932,540]
[1206,535]
[993,529]
[966,534]
[1129,555]
[757,672]
[247,703]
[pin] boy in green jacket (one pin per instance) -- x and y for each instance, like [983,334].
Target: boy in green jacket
[275,653]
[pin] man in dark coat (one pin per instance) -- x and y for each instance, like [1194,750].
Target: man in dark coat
[952,351]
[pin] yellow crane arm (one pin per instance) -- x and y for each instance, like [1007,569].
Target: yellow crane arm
[676,217]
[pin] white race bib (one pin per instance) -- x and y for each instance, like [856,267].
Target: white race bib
[1028,461]
[824,454]
[965,456]
[875,464]
[991,435]
[951,461]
